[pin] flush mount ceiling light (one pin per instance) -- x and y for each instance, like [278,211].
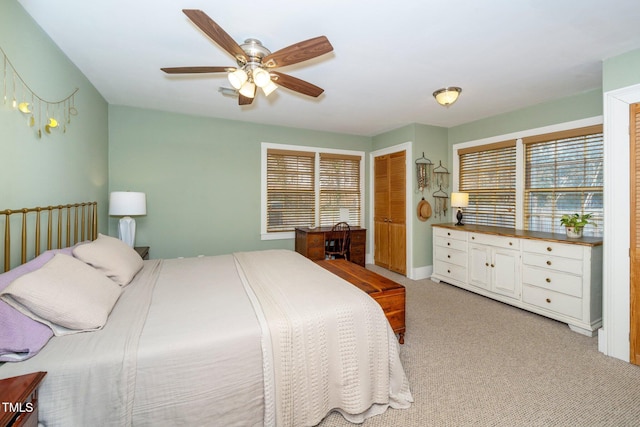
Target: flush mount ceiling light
[447,96]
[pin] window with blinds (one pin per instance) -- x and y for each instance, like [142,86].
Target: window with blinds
[306,188]
[339,189]
[290,189]
[488,174]
[564,175]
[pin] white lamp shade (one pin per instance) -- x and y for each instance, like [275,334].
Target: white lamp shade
[459,200]
[248,89]
[237,78]
[269,88]
[261,77]
[127,203]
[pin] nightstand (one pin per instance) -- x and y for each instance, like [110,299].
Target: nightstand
[19,400]
[143,251]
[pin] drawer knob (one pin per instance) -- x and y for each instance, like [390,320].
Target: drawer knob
[448,271]
[548,280]
[549,248]
[448,256]
[510,243]
[473,237]
[448,234]
[448,243]
[486,264]
[549,300]
[492,265]
[548,262]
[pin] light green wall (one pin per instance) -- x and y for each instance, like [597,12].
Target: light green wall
[60,167]
[201,177]
[621,71]
[432,141]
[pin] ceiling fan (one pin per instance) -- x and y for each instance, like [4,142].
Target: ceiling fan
[256,63]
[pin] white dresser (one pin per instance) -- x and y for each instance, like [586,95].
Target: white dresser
[544,273]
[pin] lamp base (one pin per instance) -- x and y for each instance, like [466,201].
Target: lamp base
[459,216]
[127,230]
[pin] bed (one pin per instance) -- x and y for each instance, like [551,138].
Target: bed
[244,339]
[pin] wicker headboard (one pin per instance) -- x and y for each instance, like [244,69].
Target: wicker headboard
[66,225]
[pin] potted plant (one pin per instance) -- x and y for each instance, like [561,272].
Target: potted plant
[575,223]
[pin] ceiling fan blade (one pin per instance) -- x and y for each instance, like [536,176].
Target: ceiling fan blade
[188,70]
[298,52]
[296,84]
[244,100]
[216,33]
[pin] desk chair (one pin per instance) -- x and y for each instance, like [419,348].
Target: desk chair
[337,245]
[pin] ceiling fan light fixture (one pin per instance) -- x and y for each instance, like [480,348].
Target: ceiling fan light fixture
[261,77]
[237,78]
[248,90]
[447,96]
[269,88]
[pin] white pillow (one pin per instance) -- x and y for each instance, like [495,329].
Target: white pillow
[66,294]
[112,256]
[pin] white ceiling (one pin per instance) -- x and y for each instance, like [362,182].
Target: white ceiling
[388,58]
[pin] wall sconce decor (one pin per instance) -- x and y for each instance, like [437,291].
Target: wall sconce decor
[24,99]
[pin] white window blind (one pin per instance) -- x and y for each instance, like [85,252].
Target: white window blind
[312,187]
[290,189]
[339,189]
[564,175]
[488,174]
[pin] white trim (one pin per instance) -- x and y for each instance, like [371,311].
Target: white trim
[264,235]
[613,338]
[408,148]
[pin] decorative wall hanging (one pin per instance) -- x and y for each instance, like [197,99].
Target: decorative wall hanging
[440,200]
[48,115]
[424,169]
[441,176]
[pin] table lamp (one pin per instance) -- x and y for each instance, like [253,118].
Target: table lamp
[459,200]
[127,204]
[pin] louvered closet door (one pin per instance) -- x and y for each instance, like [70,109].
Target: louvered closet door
[381,211]
[634,122]
[390,211]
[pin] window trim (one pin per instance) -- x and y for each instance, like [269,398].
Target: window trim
[518,136]
[280,235]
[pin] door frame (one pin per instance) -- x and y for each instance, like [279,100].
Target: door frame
[613,338]
[407,147]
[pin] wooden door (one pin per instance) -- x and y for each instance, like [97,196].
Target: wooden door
[397,213]
[390,211]
[634,252]
[381,211]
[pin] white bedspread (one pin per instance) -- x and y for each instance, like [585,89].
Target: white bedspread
[333,346]
[166,358]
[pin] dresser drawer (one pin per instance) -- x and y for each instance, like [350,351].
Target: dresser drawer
[315,240]
[448,233]
[567,265]
[451,256]
[553,280]
[553,301]
[449,243]
[358,237]
[450,271]
[553,248]
[497,241]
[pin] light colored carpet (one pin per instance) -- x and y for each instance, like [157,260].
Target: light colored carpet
[472,361]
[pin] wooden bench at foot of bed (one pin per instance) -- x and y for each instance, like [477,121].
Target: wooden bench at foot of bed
[389,294]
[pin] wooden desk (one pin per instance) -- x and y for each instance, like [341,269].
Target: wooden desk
[389,294]
[310,242]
